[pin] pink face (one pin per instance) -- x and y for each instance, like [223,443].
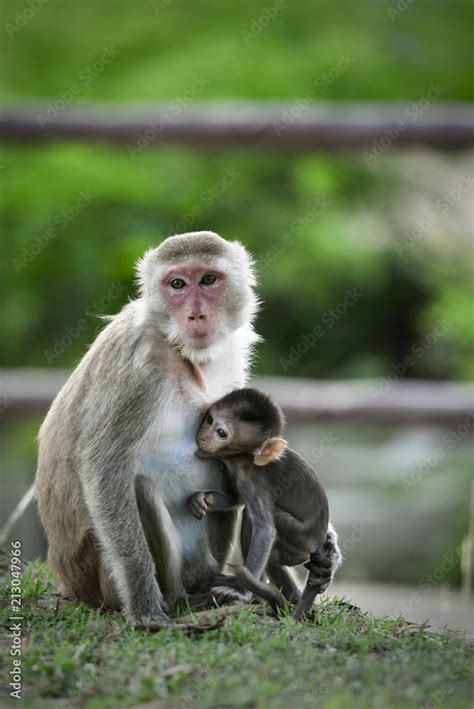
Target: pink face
[194,292]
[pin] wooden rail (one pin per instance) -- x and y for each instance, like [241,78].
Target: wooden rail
[378,400]
[300,124]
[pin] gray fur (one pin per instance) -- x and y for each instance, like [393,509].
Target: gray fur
[116,522]
[286,516]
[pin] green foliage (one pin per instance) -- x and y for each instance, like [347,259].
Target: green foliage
[295,213]
[163,44]
[74,217]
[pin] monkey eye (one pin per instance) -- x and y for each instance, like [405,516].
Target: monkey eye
[221,433]
[208,279]
[177,283]
[209,418]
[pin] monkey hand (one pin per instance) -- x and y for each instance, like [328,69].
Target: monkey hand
[227,596]
[200,504]
[153,621]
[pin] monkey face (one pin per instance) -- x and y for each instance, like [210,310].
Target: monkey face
[194,293]
[223,434]
[198,289]
[215,435]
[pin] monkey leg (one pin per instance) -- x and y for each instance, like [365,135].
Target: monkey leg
[81,572]
[296,540]
[295,543]
[222,526]
[227,595]
[243,580]
[316,583]
[323,564]
[73,550]
[97,585]
[283,579]
[279,576]
[256,545]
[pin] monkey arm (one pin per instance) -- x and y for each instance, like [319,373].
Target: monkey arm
[111,497]
[258,529]
[223,502]
[262,536]
[283,579]
[257,538]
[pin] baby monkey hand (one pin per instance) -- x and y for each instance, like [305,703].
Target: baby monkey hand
[201,503]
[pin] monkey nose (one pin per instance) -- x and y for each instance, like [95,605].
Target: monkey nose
[197,317]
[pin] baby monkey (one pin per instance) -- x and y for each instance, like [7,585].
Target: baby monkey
[285,519]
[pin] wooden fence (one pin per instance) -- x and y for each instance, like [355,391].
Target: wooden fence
[296,125]
[381,400]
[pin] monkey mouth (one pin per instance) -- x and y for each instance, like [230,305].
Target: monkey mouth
[198,333]
[199,340]
[202,454]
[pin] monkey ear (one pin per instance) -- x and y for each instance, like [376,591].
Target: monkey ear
[272,449]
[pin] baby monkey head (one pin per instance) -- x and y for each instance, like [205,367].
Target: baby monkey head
[244,421]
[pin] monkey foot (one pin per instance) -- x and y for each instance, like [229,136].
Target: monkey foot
[225,596]
[321,569]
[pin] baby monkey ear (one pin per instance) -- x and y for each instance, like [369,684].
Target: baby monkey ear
[271,449]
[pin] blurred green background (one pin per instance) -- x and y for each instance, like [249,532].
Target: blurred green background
[374,251]
[350,222]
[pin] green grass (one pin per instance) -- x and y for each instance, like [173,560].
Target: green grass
[74,656]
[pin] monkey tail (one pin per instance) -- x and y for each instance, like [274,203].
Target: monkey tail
[243,577]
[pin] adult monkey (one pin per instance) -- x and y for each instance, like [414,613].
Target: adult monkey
[116,463]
